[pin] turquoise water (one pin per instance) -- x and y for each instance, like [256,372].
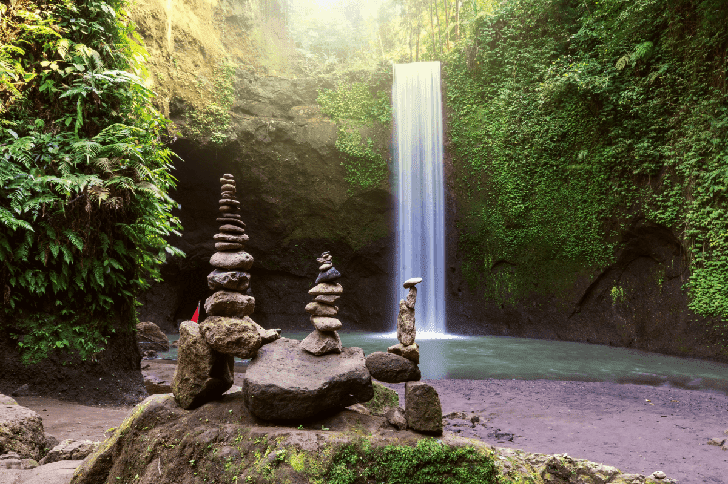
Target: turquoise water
[501,357]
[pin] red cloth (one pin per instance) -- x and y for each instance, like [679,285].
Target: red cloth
[197,313]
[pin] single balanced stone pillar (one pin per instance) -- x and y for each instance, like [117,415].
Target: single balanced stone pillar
[399,363]
[324,338]
[207,351]
[406,331]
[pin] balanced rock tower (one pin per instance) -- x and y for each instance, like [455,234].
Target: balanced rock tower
[399,363]
[324,338]
[406,330]
[207,351]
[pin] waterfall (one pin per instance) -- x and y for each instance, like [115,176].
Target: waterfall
[417,107]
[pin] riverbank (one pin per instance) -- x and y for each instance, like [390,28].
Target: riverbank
[636,428]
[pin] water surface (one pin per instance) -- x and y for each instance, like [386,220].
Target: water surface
[503,357]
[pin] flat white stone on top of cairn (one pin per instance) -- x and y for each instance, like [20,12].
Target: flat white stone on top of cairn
[324,339]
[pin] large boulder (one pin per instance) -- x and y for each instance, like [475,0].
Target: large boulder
[422,408]
[392,368]
[232,336]
[202,373]
[151,338]
[21,431]
[284,382]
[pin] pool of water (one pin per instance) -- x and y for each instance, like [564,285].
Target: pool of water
[502,357]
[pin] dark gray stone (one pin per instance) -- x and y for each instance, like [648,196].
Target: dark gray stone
[422,408]
[391,368]
[330,275]
[227,219]
[231,280]
[284,382]
[150,337]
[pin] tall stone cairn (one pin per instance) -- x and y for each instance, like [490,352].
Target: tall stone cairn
[406,331]
[230,278]
[324,338]
[207,351]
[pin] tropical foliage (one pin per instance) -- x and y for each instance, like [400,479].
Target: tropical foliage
[572,118]
[84,177]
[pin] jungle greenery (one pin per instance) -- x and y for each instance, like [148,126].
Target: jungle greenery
[363,113]
[84,176]
[572,119]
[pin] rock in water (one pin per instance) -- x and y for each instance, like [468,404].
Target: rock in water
[411,352]
[406,324]
[21,431]
[320,342]
[422,408]
[229,303]
[283,382]
[231,336]
[202,374]
[150,337]
[391,368]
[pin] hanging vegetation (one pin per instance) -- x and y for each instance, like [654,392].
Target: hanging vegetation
[84,177]
[573,117]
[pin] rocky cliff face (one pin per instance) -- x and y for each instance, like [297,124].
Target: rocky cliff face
[281,150]
[297,204]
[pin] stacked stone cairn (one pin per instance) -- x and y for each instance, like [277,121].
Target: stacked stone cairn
[399,363]
[406,330]
[206,351]
[324,339]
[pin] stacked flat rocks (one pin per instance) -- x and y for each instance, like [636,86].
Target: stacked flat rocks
[399,363]
[324,338]
[206,351]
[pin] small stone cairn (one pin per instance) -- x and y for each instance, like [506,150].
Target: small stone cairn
[406,330]
[324,339]
[399,363]
[206,351]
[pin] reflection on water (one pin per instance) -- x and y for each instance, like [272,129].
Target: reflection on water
[501,357]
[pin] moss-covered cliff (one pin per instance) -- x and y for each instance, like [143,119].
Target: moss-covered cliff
[241,104]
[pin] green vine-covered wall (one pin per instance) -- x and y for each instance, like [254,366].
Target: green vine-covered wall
[363,113]
[571,119]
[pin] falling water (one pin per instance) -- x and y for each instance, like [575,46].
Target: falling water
[417,107]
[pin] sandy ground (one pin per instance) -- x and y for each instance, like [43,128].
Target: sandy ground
[638,429]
